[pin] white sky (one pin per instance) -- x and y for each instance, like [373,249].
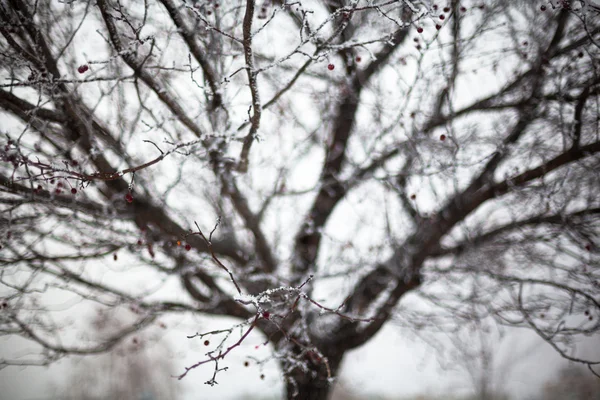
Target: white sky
[392,365]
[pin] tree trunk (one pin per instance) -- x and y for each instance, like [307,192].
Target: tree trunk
[311,381]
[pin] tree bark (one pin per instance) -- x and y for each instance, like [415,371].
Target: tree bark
[309,378]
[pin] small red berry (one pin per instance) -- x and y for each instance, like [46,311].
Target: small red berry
[58,191]
[266,315]
[420,29]
[83,69]
[413,196]
[543,8]
[74,163]
[588,247]
[442,137]
[246,363]
[139,243]
[590,318]
[587,312]
[74,191]
[435,6]
[446,9]
[481,6]
[129,198]
[330,67]
[358,59]
[262,376]
[438,26]
[188,247]
[206,342]
[442,17]
[463,9]
[115,257]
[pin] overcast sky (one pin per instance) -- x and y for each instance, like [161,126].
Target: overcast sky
[393,364]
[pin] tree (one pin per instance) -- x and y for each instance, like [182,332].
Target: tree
[572,383]
[134,369]
[314,169]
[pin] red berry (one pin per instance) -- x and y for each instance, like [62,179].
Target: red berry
[438,26]
[74,191]
[446,9]
[463,9]
[83,69]
[543,8]
[262,376]
[358,59]
[420,29]
[435,7]
[60,184]
[206,342]
[442,17]
[74,163]
[115,257]
[266,314]
[139,242]
[413,196]
[588,247]
[330,67]
[442,137]
[188,247]
[246,363]
[129,198]
[58,191]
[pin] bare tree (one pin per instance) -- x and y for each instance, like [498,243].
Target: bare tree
[572,383]
[140,368]
[488,355]
[352,153]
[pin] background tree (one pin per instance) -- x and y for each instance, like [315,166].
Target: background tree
[572,383]
[424,161]
[136,369]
